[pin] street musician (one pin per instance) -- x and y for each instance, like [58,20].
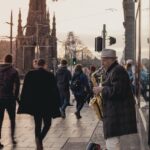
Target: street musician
[118,103]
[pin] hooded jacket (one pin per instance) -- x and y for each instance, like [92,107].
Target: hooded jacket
[63,77]
[9,82]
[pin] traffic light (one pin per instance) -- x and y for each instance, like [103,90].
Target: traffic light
[98,44]
[74,60]
[112,40]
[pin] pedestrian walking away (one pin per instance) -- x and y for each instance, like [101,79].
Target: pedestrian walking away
[118,101]
[9,92]
[40,98]
[63,78]
[80,88]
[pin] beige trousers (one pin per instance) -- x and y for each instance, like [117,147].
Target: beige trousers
[113,143]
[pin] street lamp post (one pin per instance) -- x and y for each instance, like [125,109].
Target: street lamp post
[104,36]
[11,31]
[138,18]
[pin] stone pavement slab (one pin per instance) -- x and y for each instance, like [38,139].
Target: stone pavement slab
[75,146]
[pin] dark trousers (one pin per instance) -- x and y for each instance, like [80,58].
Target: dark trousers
[40,132]
[10,107]
[79,104]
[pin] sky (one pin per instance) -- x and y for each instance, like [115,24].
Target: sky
[84,17]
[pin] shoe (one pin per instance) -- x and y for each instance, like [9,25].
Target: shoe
[78,116]
[14,142]
[39,144]
[1,146]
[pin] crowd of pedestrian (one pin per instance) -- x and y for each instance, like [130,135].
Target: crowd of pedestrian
[132,71]
[45,95]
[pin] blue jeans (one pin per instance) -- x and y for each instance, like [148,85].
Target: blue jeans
[64,103]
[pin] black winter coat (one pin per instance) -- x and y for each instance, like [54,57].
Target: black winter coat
[40,94]
[118,103]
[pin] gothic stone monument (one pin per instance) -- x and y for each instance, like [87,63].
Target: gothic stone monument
[39,40]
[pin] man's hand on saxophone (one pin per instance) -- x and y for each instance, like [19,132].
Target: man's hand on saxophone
[97,89]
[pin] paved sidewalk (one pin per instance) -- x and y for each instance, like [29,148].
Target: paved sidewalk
[128,142]
[66,134]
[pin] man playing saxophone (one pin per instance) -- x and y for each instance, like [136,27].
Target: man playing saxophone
[118,101]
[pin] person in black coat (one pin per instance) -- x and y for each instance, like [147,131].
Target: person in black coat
[40,98]
[118,101]
[80,88]
[9,92]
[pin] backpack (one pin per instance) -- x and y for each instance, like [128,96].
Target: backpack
[76,84]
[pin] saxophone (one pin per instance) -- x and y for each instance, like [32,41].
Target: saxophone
[96,101]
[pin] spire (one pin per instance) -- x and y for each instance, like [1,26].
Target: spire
[38,5]
[20,32]
[54,27]
[48,15]
[37,27]
[37,14]
[48,21]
